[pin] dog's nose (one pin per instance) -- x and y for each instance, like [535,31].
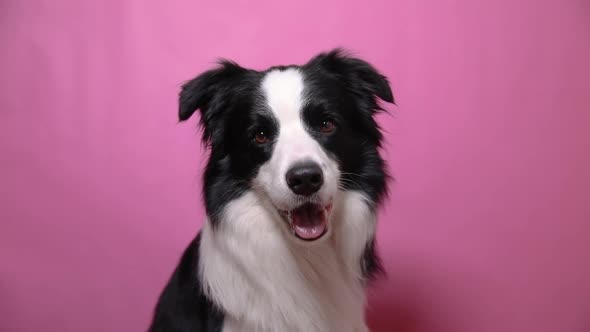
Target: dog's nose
[305,179]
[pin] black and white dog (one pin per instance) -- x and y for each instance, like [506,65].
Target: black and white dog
[291,189]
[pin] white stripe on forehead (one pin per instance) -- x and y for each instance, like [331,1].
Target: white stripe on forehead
[283,90]
[284,94]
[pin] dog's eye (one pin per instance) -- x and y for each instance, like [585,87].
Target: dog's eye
[260,137]
[327,126]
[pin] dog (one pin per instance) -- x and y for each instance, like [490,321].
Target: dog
[291,188]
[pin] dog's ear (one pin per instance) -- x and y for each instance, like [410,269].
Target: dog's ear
[209,93]
[360,76]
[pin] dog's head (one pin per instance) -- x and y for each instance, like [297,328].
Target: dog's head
[294,135]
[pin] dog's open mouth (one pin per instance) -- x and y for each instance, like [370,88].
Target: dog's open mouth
[309,221]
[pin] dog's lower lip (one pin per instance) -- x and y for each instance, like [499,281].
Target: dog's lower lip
[311,240]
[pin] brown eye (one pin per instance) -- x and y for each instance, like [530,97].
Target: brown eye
[260,137]
[327,126]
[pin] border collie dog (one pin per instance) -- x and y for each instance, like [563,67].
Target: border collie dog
[291,189]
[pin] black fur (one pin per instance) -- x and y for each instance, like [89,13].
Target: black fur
[182,307]
[346,90]
[340,88]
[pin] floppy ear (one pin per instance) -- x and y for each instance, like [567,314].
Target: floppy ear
[208,93]
[360,76]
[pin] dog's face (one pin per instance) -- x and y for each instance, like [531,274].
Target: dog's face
[296,136]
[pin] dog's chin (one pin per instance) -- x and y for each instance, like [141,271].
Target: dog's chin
[308,222]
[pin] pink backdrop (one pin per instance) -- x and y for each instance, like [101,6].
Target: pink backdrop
[487,228]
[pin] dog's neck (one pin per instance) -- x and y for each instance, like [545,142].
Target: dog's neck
[265,281]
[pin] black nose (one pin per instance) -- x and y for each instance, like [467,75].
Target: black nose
[305,179]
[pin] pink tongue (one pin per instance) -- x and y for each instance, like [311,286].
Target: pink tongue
[308,222]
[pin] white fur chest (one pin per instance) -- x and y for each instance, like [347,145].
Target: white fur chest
[265,282]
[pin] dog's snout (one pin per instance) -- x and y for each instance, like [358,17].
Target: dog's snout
[305,179]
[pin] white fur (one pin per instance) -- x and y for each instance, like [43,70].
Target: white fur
[265,282]
[283,91]
[252,266]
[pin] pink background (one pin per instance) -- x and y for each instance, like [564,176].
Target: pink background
[487,227]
